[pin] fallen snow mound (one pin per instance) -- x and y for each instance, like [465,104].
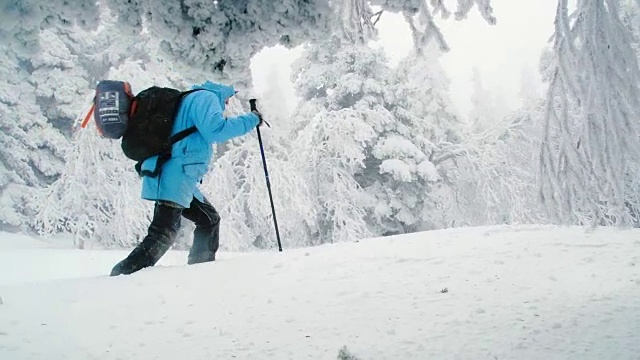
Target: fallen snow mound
[479,293]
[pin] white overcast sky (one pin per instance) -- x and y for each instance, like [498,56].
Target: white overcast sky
[500,52]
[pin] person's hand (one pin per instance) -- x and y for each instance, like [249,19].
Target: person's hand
[262,120]
[259,115]
[254,109]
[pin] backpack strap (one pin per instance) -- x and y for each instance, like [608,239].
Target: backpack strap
[162,158]
[183,134]
[188,131]
[88,116]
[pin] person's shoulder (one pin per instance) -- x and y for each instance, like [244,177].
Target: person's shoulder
[199,93]
[200,97]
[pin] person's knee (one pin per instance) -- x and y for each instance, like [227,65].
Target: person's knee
[167,217]
[215,219]
[212,221]
[212,216]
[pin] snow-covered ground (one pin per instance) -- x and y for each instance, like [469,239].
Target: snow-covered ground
[526,292]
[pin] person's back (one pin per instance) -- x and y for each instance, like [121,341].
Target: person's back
[175,188]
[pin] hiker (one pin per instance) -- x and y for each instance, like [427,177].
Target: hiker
[175,189]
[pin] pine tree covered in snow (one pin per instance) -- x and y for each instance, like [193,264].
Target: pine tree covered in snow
[31,152]
[340,116]
[40,80]
[483,115]
[530,88]
[414,154]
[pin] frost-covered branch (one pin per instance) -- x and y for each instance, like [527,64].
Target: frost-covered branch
[357,25]
[496,183]
[219,37]
[421,16]
[439,8]
[484,7]
[423,29]
[593,105]
[377,15]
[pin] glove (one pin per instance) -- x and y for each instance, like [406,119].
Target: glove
[259,115]
[262,120]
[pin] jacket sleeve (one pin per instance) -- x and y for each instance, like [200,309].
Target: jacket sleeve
[207,117]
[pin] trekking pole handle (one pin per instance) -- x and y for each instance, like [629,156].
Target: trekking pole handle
[254,107]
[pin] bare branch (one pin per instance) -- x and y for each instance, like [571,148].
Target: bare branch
[379,15]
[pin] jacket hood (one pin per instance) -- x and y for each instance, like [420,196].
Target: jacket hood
[224,92]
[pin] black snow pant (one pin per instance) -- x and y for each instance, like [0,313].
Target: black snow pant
[162,234]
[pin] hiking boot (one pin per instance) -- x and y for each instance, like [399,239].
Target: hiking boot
[161,235]
[144,255]
[201,257]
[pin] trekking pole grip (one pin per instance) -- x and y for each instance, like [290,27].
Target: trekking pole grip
[253,107]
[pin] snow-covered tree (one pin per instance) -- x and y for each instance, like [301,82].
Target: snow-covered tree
[591,134]
[530,88]
[39,83]
[372,144]
[340,83]
[495,180]
[419,96]
[97,199]
[220,37]
[341,114]
[483,113]
[631,18]
[412,154]
[236,185]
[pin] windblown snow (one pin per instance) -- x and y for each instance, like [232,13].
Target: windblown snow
[527,292]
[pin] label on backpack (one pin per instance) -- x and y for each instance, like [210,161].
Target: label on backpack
[109,107]
[112,107]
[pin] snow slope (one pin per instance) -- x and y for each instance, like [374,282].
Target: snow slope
[513,293]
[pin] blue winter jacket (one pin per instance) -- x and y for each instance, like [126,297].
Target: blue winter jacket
[180,176]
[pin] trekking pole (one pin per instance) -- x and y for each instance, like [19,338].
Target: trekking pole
[252,104]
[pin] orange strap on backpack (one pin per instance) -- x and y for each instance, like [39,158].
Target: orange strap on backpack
[87,117]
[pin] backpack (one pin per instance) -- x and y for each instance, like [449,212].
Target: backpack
[144,122]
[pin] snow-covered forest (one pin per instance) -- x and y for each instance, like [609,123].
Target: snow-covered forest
[370,149]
